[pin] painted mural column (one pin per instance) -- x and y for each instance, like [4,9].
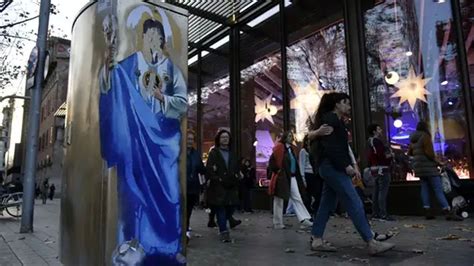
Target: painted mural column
[141,104]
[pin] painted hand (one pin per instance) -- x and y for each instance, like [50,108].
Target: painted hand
[158,95]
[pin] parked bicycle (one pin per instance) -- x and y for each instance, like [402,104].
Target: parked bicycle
[12,203]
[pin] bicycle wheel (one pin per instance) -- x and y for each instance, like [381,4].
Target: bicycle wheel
[14,205]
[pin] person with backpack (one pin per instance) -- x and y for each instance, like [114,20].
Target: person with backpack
[425,166]
[379,159]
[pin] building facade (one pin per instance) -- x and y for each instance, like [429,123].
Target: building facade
[51,129]
[6,138]
[401,62]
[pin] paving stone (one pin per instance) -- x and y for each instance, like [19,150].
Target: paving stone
[256,243]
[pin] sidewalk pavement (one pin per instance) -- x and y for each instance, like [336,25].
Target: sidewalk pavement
[256,243]
[38,248]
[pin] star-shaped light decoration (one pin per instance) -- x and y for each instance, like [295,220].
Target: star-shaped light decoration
[305,102]
[412,88]
[306,98]
[265,110]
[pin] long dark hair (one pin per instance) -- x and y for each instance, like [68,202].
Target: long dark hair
[326,105]
[217,139]
[284,136]
[423,127]
[306,143]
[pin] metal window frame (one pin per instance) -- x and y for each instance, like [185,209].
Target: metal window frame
[466,85]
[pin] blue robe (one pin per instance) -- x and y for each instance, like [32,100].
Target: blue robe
[144,146]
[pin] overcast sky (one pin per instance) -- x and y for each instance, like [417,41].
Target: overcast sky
[61,24]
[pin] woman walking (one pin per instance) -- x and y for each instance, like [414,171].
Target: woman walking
[313,182]
[425,165]
[223,192]
[194,168]
[335,168]
[286,182]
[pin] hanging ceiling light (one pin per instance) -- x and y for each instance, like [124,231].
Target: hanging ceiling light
[392,77]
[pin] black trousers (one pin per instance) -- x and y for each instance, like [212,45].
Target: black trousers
[245,198]
[314,187]
[191,201]
[229,211]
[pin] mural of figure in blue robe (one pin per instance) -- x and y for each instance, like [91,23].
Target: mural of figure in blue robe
[141,102]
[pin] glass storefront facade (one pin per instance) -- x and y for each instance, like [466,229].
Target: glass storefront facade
[414,74]
[412,61]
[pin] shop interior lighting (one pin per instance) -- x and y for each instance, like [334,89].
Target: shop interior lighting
[397,123]
[392,77]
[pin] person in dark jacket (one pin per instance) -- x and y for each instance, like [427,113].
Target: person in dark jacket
[194,168]
[286,182]
[223,171]
[52,189]
[380,159]
[246,184]
[313,182]
[425,166]
[335,167]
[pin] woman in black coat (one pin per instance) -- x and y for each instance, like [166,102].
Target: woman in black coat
[224,175]
[246,184]
[194,168]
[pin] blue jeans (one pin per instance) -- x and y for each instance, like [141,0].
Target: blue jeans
[338,185]
[223,213]
[379,198]
[435,182]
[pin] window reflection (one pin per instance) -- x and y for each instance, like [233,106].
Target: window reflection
[215,99]
[262,111]
[316,65]
[414,75]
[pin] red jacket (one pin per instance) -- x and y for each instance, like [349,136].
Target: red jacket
[377,154]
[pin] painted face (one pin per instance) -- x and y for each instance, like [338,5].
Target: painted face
[344,107]
[224,139]
[153,40]
[109,29]
[190,140]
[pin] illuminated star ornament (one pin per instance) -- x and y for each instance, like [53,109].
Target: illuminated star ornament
[411,89]
[306,99]
[265,110]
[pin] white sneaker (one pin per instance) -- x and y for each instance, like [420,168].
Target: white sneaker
[376,247]
[279,226]
[307,223]
[321,245]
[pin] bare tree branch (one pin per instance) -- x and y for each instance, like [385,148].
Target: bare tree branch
[18,22]
[18,37]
